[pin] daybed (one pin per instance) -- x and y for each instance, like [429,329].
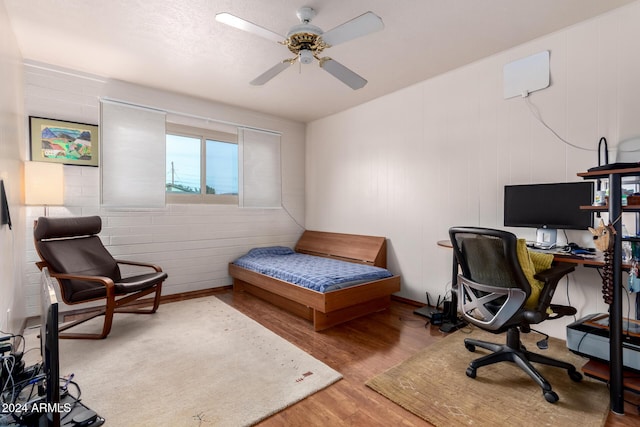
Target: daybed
[326,309]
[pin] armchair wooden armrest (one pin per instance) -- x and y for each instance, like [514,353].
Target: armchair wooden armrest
[139,264]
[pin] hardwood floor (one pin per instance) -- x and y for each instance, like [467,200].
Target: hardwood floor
[359,350]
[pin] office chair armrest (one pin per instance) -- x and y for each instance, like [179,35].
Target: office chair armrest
[556,272]
[475,298]
[140,264]
[550,277]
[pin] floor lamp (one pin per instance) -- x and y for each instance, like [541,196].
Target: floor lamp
[43,184]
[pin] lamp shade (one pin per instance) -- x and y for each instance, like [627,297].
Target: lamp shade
[43,183]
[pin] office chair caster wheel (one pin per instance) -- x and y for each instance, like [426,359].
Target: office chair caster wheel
[575,376]
[470,347]
[551,396]
[471,372]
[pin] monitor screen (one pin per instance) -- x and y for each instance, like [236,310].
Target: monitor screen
[555,206]
[49,345]
[5,217]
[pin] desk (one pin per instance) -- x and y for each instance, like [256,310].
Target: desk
[598,261]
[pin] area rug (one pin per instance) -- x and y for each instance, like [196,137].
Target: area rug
[198,362]
[433,385]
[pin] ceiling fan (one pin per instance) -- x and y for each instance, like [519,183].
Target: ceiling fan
[307,42]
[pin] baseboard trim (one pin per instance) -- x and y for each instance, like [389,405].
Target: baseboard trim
[182,296]
[407,301]
[165,299]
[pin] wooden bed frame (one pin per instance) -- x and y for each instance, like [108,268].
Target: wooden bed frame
[330,308]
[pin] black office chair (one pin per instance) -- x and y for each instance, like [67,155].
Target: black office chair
[492,291]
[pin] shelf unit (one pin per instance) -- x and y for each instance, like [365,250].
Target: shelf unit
[628,208]
[615,210]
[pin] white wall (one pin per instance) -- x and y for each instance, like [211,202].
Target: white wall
[12,311]
[412,164]
[192,243]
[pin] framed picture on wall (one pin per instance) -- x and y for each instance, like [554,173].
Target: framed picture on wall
[65,142]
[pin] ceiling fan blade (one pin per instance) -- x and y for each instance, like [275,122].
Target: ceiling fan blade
[242,24]
[342,73]
[271,73]
[360,26]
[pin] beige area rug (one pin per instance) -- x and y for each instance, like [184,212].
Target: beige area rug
[193,363]
[433,385]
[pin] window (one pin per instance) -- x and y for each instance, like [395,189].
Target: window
[201,166]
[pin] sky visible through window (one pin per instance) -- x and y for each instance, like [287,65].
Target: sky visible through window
[183,164]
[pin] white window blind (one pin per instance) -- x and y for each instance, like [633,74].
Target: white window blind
[260,179]
[132,159]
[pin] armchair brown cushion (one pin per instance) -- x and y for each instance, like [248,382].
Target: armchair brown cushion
[81,256]
[84,268]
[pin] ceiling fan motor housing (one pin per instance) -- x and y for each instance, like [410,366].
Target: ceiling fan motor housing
[305,41]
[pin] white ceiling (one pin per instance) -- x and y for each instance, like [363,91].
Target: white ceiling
[178,46]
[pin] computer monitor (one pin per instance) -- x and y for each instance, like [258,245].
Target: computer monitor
[5,216]
[548,207]
[49,348]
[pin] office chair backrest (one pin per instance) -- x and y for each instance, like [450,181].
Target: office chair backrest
[71,245]
[489,257]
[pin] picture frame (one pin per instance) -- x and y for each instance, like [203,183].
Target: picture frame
[61,141]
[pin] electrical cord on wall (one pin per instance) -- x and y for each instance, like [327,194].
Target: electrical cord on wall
[291,216]
[536,114]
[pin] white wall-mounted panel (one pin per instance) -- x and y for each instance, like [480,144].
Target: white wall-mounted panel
[526,75]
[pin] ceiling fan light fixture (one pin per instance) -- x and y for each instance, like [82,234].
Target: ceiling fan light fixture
[306,56]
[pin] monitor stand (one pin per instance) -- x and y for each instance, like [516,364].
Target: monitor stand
[546,238]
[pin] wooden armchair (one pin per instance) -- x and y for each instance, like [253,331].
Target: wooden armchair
[86,271]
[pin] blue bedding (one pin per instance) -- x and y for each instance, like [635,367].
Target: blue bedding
[313,272]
